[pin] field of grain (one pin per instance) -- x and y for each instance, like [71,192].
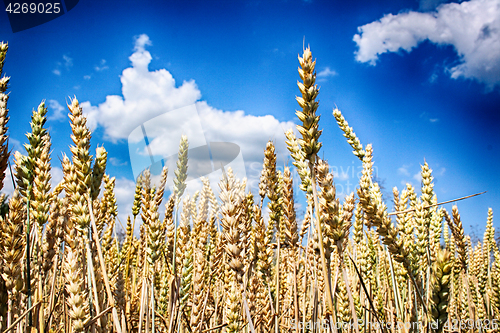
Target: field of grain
[217,264]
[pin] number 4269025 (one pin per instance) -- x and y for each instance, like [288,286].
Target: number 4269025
[33,8]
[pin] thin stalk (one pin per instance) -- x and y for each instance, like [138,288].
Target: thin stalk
[111,300]
[276,318]
[335,279]
[175,236]
[28,259]
[93,286]
[397,296]
[329,298]
[41,319]
[98,317]
[295,298]
[437,204]
[351,299]
[247,312]
[21,317]
[9,312]
[271,301]
[470,303]
[367,296]
[428,278]
[131,285]
[215,328]
[162,318]
[89,278]
[14,185]
[415,299]
[417,290]
[314,296]
[147,311]
[141,309]
[176,284]
[153,303]
[53,286]
[173,300]
[65,316]
[304,284]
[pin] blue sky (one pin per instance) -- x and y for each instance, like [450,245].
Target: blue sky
[417,79]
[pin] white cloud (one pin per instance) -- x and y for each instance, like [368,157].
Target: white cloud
[15,144]
[327,72]
[154,95]
[141,42]
[433,78]
[87,77]
[145,95]
[404,170]
[425,115]
[116,161]
[57,110]
[251,133]
[407,175]
[57,175]
[141,58]
[471,27]
[8,187]
[102,66]
[418,177]
[68,62]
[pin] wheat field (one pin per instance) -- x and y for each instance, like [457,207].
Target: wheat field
[219,263]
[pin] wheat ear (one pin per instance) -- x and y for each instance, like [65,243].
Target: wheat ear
[310,145]
[75,287]
[12,244]
[440,286]
[4,118]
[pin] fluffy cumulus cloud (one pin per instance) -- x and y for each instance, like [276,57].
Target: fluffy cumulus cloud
[471,27]
[57,110]
[153,106]
[145,95]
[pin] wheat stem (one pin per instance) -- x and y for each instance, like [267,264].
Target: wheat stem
[111,301]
